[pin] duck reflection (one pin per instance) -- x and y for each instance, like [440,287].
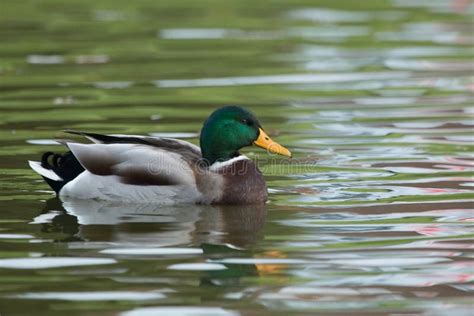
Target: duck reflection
[153,225]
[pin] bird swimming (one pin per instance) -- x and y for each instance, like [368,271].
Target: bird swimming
[147,169]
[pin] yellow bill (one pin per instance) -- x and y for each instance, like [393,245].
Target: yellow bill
[264,141]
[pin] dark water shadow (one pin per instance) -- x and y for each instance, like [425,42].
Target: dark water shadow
[149,225]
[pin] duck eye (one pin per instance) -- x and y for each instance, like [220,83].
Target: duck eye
[246,122]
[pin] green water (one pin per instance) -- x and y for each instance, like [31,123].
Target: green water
[373,98]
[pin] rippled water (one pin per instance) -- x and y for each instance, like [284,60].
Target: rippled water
[374,98]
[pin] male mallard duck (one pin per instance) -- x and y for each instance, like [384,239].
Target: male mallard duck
[163,170]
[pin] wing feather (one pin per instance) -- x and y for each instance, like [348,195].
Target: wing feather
[134,163]
[187,150]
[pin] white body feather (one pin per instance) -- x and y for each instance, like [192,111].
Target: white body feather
[109,188]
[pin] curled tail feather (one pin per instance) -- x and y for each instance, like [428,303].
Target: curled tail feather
[57,169]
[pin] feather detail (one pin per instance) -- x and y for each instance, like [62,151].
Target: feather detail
[110,188]
[218,165]
[169,144]
[47,173]
[134,164]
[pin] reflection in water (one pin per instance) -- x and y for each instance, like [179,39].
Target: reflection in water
[154,225]
[155,232]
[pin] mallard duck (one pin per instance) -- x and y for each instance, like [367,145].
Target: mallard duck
[164,170]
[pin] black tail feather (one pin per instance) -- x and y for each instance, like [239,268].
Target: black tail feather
[66,166]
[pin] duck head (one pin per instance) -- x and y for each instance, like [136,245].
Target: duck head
[230,128]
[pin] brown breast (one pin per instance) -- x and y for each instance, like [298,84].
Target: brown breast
[243,184]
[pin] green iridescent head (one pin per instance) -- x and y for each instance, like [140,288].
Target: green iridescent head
[230,128]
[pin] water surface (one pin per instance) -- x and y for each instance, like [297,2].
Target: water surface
[374,214]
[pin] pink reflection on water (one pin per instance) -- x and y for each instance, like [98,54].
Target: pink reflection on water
[431,230]
[460,6]
[432,244]
[458,161]
[452,167]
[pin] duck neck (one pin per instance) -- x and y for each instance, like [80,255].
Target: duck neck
[216,155]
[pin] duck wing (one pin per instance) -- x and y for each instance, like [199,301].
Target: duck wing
[191,151]
[138,160]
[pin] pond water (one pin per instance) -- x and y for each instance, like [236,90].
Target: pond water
[374,214]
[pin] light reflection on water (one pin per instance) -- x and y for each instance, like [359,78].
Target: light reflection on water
[375,100]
